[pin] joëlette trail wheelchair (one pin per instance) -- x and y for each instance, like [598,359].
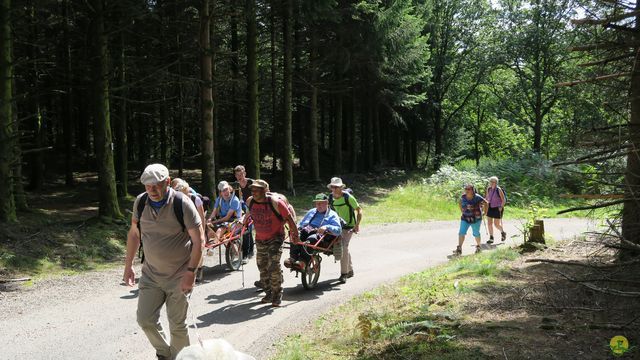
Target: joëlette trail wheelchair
[232,241]
[314,248]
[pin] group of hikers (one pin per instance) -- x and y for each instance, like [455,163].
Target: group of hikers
[172,220]
[473,206]
[175,225]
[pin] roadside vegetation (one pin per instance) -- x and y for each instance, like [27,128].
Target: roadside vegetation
[486,306]
[60,235]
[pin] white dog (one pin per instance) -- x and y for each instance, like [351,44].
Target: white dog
[214,349]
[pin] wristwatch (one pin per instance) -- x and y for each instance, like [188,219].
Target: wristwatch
[192,269]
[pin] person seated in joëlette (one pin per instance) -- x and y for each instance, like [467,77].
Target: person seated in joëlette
[319,221]
[226,209]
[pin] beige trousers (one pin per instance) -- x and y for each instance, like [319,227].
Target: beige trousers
[345,261]
[151,297]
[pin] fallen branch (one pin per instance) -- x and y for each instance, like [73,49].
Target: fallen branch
[611,19]
[599,289]
[577,263]
[592,196]
[594,79]
[592,207]
[15,280]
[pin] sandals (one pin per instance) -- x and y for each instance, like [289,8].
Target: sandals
[478,249]
[503,236]
[458,250]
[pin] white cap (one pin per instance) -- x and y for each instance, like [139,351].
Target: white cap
[223,185]
[154,174]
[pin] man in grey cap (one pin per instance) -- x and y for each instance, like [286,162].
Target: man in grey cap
[169,225]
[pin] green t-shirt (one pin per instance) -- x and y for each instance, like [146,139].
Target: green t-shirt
[343,209]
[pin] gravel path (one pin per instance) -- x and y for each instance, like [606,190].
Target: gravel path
[92,316]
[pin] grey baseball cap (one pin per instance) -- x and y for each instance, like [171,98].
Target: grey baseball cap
[154,174]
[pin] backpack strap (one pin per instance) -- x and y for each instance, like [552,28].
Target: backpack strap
[269,201]
[141,204]
[346,196]
[177,209]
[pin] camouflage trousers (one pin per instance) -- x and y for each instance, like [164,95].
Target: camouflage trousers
[268,259]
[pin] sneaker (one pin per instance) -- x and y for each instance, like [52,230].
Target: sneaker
[258,284]
[343,278]
[288,262]
[490,241]
[503,236]
[301,265]
[478,249]
[276,303]
[458,250]
[161,357]
[266,299]
[350,274]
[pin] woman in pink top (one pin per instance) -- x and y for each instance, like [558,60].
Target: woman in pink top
[496,199]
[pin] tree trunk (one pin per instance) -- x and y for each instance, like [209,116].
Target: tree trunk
[107,193]
[631,207]
[181,116]
[121,127]
[7,136]
[314,161]
[206,102]
[67,107]
[253,166]
[35,113]
[274,90]
[238,149]
[438,133]
[287,158]
[336,150]
[377,143]
[352,143]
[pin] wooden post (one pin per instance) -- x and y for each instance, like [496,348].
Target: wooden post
[536,232]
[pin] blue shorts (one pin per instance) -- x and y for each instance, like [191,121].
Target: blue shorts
[475,228]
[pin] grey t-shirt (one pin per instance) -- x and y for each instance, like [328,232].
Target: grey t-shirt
[167,248]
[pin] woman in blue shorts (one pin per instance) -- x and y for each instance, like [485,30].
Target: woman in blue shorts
[472,206]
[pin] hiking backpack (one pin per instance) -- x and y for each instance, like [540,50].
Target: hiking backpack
[346,194]
[177,209]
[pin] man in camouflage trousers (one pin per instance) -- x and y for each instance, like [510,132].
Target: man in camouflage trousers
[269,214]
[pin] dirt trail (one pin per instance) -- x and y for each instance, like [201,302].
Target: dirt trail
[92,316]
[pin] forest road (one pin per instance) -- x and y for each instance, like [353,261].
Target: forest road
[92,316]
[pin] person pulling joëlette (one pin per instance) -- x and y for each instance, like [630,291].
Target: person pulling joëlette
[269,216]
[348,208]
[170,228]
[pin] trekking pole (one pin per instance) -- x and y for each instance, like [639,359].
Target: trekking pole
[484,221]
[193,319]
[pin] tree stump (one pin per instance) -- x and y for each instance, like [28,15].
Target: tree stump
[536,232]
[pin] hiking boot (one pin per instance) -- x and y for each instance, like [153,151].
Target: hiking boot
[162,357]
[503,236]
[350,274]
[289,262]
[478,249]
[457,251]
[343,278]
[258,284]
[490,241]
[266,299]
[276,301]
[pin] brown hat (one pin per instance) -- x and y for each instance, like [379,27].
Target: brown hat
[259,184]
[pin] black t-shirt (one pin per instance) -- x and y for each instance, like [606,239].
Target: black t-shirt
[245,191]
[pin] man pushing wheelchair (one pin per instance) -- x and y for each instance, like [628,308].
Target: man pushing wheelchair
[320,223]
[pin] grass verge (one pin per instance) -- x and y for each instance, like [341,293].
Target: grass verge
[487,306]
[418,317]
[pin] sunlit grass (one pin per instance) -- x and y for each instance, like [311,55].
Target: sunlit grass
[382,323]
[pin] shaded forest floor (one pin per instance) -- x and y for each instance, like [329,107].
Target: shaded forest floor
[495,305]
